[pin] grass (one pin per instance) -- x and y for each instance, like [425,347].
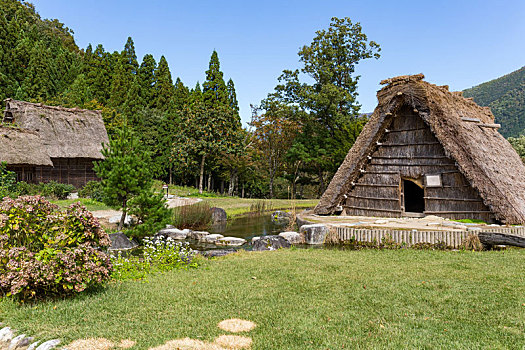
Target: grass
[471,221]
[239,206]
[89,203]
[307,299]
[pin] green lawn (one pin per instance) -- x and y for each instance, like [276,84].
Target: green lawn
[307,299]
[237,206]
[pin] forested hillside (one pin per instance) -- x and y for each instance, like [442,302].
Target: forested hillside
[506,98]
[298,136]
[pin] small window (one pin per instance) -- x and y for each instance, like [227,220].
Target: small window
[433,180]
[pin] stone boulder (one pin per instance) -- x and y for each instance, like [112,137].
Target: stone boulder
[281,217]
[120,241]
[270,243]
[211,238]
[218,215]
[198,235]
[314,234]
[255,239]
[292,237]
[173,233]
[230,241]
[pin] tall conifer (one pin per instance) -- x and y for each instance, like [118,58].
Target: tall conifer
[146,80]
[214,89]
[164,89]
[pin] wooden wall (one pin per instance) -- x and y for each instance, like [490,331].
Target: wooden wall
[74,171]
[409,150]
[24,173]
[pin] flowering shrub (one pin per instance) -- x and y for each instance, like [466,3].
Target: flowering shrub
[48,252]
[160,254]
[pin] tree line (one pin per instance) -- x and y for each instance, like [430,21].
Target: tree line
[297,137]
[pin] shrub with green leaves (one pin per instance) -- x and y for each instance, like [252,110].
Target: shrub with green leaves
[45,252]
[93,190]
[7,182]
[51,190]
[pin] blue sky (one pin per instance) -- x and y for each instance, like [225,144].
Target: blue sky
[456,43]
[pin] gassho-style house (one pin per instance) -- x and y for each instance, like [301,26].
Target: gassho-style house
[44,143]
[428,151]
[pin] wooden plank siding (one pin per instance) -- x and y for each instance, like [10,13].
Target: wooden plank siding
[409,150]
[452,239]
[73,171]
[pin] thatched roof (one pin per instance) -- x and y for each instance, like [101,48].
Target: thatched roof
[468,135]
[65,132]
[22,147]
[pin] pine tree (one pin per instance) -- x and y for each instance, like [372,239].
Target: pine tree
[214,89]
[164,89]
[196,94]
[232,97]
[146,80]
[130,57]
[181,95]
[124,172]
[124,72]
[97,68]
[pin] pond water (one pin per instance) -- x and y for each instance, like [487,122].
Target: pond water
[246,227]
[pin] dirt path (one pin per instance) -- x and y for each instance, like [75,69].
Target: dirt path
[104,216]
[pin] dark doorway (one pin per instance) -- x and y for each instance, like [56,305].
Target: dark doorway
[414,197]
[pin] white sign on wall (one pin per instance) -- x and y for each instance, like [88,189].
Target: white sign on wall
[433,180]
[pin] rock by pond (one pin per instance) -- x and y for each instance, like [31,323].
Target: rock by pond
[218,215]
[230,241]
[314,234]
[198,235]
[173,233]
[212,238]
[119,241]
[270,243]
[281,217]
[292,237]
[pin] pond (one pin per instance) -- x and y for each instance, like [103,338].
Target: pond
[246,227]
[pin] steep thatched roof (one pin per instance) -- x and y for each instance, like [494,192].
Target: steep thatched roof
[19,147]
[466,131]
[65,132]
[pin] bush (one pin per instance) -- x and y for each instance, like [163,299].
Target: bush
[51,190]
[93,190]
[56,190]
[150,210]
[7,182]
[45,252]
[196,216]
[160,254]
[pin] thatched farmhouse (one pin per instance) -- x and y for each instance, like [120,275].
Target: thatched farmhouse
[428,151]
[48,143]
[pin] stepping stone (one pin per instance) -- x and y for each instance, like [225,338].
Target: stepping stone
[173,233]
[198,235]
[6,334]
[230,241]
[212,238]
[48,345]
